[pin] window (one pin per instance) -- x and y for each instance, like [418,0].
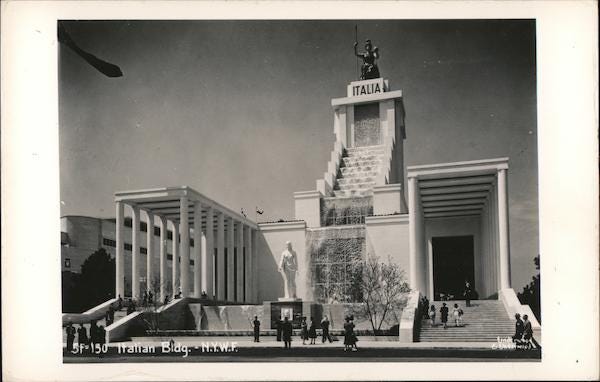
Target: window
[67,263]
[109,242]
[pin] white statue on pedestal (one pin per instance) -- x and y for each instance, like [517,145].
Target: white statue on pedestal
[288,266]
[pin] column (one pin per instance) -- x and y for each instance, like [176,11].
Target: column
[135,252]
[208,251]
[163,257]
[503,233]
[230,256]
[248,268]
[240,282]
[495,263]
[198,249]
[175,262]
[120,255]
[412,231]
[184,229]
[221,257]
[150,253]
[254,262]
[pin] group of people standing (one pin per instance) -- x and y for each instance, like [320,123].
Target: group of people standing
[524,332]
[308,332]
[97,335]
[457,315]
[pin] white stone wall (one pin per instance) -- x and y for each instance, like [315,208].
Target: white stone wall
[270,243]
[388,236]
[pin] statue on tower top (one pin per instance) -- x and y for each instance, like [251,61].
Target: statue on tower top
[369,69]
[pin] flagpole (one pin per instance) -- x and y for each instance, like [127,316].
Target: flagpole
[356,41]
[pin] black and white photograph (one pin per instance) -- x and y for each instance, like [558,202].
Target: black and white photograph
[268,182]
[336,190]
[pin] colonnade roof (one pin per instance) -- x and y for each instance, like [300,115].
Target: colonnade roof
[165,202]
[458,189]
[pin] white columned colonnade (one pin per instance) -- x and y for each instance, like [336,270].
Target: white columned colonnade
[223,246]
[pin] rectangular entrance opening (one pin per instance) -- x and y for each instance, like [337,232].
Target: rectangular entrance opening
[453,263]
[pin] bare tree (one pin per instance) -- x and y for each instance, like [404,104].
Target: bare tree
[151,316]
[384,290]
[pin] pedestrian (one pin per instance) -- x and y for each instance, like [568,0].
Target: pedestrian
[432,315]
[304,331]
[107,318]
[456,315]
[444,314]
[111,313]
[166,300]
[519,329]
[70,336]
[287,333]
[130,307]
[349,336]
[82,335]
[425,303]
[468,293]
[101,335]
[528,333]
[312,331]
[119,303]
[325,327]
[279,328]
[145,299]
[150,298]
[93,333]
[256,325]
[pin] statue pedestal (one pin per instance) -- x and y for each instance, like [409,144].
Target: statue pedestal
[284,307]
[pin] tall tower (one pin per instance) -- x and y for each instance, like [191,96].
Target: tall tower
[365,175]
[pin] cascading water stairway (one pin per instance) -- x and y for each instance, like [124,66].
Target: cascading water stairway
[339,246]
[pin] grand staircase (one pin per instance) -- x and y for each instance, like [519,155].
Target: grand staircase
[483,321]
[358,171]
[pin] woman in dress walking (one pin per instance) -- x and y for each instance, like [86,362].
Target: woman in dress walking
[304,331]
[432,315]
[312,331]
[444,314]
[456,315]
[349,336]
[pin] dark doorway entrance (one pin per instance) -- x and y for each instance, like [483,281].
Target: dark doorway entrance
[453,263]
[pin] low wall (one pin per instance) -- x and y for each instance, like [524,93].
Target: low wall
[96,313]
[409,321]
[174,316]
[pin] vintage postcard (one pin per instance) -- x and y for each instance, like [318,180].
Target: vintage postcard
[249,192]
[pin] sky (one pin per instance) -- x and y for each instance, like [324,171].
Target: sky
[241,110]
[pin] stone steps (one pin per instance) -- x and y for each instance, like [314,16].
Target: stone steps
[365,150]
[359,162]
[355,180]
[354,186]
[352,193]
[366,171]
[484,321]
